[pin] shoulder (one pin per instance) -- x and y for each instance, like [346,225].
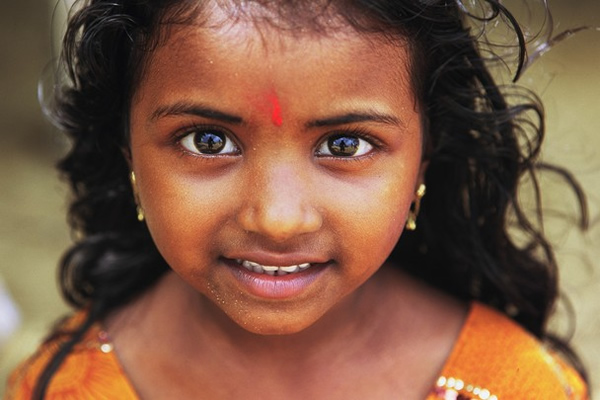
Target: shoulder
[90,371]
[494,357]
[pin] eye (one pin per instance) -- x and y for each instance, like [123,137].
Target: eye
[344,145]
[209,141]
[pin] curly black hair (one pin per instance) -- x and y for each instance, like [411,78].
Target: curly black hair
[481,140]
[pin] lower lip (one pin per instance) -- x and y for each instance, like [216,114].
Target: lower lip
[276,287]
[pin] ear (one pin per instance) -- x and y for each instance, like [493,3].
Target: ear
[422,171]
[126,151]
[426,150]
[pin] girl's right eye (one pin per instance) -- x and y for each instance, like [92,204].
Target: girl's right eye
[209,141]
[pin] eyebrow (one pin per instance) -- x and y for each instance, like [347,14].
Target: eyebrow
[370,116]
[185,108]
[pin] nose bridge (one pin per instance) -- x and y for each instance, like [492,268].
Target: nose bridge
[281,178]
[280,202]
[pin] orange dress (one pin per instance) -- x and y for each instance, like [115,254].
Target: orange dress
[493,358]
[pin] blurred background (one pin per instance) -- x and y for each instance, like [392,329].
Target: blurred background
[33,231]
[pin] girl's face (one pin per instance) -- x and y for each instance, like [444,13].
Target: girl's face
[259,154]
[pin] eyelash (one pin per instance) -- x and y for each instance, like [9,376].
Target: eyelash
[360,133]
[183,133]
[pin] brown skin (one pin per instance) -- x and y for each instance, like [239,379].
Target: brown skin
[277,197]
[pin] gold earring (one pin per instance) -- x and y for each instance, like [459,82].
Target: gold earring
[413,213]
[140,214]
[139,209]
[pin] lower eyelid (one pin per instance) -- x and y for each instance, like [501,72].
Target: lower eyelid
[346,164]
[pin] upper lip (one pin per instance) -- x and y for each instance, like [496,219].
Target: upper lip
[278,259]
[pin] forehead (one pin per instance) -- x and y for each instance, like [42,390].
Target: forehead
[233,59]
[228,32]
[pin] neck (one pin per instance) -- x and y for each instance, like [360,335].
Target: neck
[176,314]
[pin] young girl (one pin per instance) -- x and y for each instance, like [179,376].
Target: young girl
[296,200]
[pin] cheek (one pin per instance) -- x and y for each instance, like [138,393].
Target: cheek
[387,214]
[182,213]
[371,218]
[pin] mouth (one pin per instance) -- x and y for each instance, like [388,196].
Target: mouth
[276,282]
[273,270]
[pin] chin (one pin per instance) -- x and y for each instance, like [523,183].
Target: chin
[280,324]
[274,330]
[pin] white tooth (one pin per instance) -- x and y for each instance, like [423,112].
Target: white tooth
[254,267]
[290,269]
[247,265]
[238,260]
[272,269]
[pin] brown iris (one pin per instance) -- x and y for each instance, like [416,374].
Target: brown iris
[343,146]
[210,142]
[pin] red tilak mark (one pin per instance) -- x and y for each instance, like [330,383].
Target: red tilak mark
[276,117]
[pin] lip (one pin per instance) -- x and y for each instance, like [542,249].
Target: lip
[276,287]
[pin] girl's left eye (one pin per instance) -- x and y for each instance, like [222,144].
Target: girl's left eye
[209,142]
[344,145]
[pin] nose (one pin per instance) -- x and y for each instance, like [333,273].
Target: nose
[279,203]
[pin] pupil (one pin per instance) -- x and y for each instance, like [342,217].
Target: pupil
[343,145]
[210,142]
